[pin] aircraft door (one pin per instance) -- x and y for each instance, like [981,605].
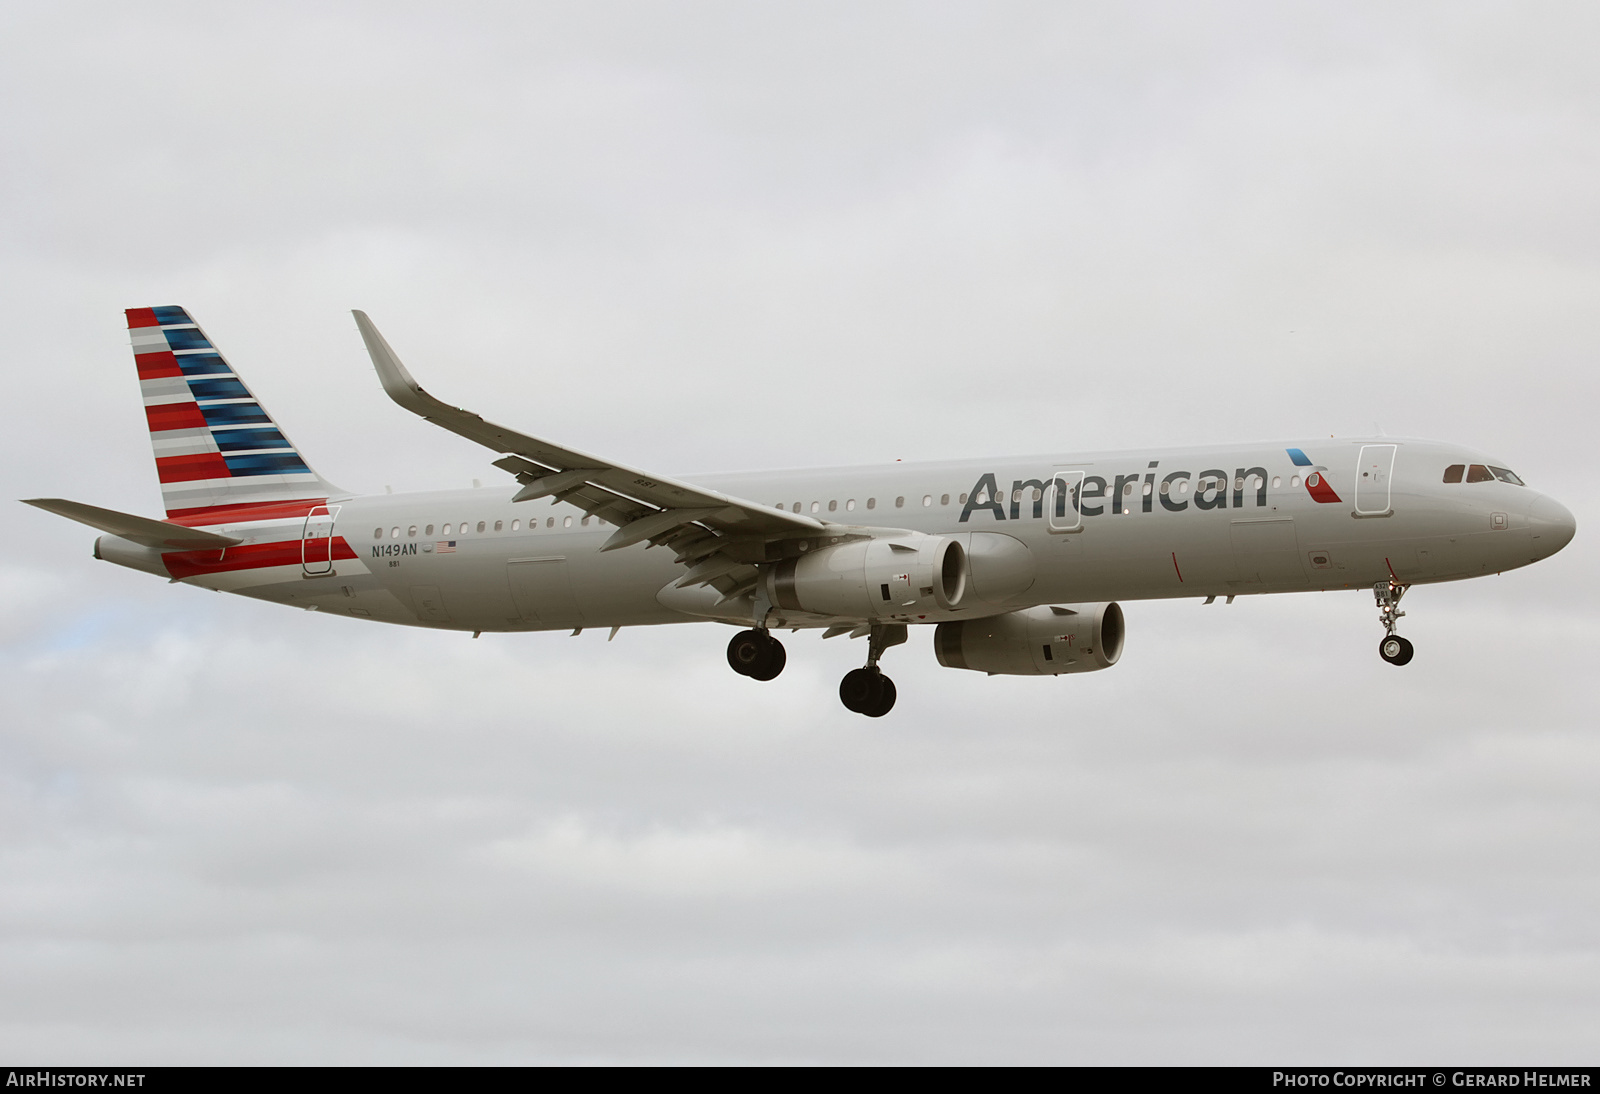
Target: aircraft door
[1374,471]
[1061,507]
[316,542]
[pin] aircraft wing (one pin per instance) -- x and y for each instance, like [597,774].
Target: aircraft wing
[699,524]
[144,531]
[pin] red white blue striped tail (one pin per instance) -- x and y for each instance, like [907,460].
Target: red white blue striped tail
[220,457]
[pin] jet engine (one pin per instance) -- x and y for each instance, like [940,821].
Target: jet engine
[1043,641]
[910,574]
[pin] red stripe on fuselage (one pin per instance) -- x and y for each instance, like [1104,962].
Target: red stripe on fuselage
[249,556]
[164,416]
[238,514]
[203,465]
[158,364]
[141,317]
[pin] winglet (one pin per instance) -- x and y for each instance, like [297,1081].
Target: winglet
[397,381]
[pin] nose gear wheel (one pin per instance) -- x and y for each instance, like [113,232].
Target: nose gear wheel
[1393,648]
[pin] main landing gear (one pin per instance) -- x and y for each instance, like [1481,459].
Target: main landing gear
[756,654]
[1393,648]
[867,690]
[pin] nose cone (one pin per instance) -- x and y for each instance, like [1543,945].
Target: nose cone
[1552,526]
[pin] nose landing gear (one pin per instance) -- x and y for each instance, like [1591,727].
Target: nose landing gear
[867,690]
[756,654]
[1393,648]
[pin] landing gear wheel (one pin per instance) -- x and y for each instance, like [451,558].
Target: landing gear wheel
[756,654]
[867,691]
[1395,650]
[772,663]
[886,698]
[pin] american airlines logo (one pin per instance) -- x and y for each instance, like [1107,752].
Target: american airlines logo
[1089,495]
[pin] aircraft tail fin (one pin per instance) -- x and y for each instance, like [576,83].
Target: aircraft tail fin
[219,455]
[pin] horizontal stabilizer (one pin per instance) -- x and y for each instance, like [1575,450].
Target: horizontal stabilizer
[141,530]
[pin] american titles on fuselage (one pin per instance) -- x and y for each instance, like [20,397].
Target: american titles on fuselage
[1079,492]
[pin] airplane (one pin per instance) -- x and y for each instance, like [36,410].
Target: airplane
[1020,564]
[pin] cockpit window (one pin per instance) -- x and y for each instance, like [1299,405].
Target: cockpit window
[1479,473]
[1506,476]
[1454,472]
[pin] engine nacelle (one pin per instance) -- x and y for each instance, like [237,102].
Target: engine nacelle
[909,574]
[1043,641]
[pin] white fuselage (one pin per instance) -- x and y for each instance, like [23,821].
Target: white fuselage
[1142,525]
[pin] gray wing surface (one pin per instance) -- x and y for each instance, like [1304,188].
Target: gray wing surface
[716,535]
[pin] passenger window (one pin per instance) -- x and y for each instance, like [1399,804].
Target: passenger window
[481,526]
[428,531]
[377,533]
[550,523]
[1479,473]
[566,522]
[796,507]
[816,506]
[872,503]
[394,533]
[944,499]
[927,500]
[1294,480]
[900,502]
[1277,481]
[412,531]
[961,499]
[515,525]
[1506,476]
[584,522]
[850,505]
[1454,472]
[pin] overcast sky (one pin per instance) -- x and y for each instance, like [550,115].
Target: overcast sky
[717,236]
